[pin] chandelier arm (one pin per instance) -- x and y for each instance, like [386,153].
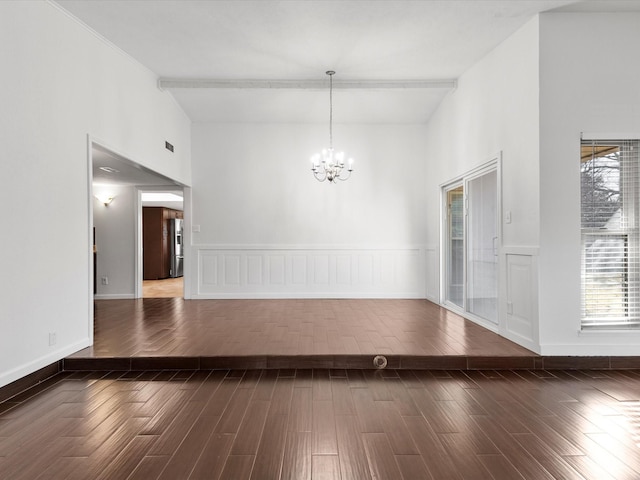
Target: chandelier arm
[345,178]
[321,178]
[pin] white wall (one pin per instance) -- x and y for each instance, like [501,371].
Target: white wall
[115,226]
[493,110]
[589,82]
[62,83]
[254,196]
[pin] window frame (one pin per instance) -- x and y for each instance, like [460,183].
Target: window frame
[624,228]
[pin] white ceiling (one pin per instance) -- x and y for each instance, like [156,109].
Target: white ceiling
[131,174]
[127,173]
[299,40]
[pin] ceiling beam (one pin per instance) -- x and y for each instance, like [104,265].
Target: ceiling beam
[212,83]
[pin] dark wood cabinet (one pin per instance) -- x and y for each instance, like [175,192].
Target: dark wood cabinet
[156,250]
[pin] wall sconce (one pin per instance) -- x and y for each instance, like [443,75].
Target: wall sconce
[105,198]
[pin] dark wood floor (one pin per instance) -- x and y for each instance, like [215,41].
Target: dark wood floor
[325,424]
[159,421]
[171,333]
[175,327]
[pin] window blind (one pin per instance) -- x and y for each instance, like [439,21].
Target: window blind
[610,188]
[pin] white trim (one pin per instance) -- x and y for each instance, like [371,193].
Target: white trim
[590,350]
[284,246]
[187,238]
[90,286]
[492,161]
[532,251]
[511,327]
[100,37]
[622,332]
[114,296]
[432,272]
[137,238]
[329,295]
[241,83]
[627,188]
[44,361]
[138,257]
[609,136]
[459,182]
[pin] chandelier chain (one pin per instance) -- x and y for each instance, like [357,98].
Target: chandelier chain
[330,73]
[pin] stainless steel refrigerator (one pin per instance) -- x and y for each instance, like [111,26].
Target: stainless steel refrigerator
[177,252]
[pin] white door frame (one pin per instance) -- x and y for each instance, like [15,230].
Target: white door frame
[91,142]
[139,259]
[493,163]
[444,245]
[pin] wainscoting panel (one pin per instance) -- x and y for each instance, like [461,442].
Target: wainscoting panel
[208,273]
[521,300]
[231,270]
[365,269]
[277,269]
[343,269]
[321,269]
[294,272]
[254,269]
[298,270]
[433,274]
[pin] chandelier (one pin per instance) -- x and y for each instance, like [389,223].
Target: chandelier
[329,164]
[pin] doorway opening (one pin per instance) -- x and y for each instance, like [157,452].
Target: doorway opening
[471,240]
[116,208]
[162,243]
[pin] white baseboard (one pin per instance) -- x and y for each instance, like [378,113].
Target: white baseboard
[44,361]
[113,296]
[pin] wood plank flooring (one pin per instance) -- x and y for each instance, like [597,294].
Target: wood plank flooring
[154,327]
[173,333]
[325,424]
[165,288]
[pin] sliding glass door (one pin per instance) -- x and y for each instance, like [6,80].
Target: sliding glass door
[471,244]
[482,246]
[455,246]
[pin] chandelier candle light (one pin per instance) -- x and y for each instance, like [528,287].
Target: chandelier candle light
[329,165]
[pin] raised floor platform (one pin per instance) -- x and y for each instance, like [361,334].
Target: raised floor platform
[174,334]
[395,362]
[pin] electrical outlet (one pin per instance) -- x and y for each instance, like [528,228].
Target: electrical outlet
[53,338]
[105,280]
